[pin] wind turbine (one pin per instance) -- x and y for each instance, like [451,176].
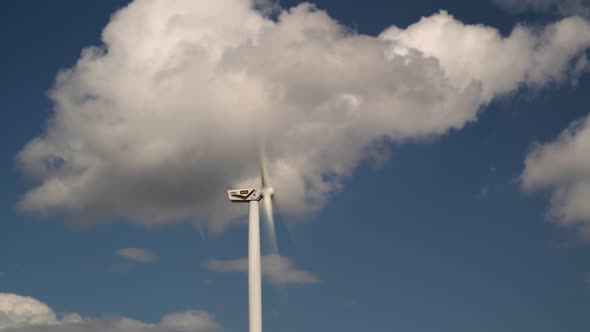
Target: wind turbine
[252,196]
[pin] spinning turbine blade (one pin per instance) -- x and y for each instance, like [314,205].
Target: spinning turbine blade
[270,224]
[263,168]
[268,208]
[267,194]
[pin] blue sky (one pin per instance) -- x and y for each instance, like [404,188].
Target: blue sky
[440,237]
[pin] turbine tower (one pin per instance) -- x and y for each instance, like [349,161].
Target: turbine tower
[252,196]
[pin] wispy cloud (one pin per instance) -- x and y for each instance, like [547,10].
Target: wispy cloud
[137,255]
[562,7]
[562,166]
[275,269]
[349,303]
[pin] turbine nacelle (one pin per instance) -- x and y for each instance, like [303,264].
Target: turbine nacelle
[250,194]
[244,195]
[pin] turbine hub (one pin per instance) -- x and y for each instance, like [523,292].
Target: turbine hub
[267,191]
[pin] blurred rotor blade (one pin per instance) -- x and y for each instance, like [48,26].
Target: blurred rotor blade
[267,201]
[263,168]
[270,223]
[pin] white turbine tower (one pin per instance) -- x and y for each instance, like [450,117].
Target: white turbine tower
[253,196]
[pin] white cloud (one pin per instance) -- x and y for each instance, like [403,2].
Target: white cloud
[276,269]
[563,7]
[17,311]
[25,314]
[137,255]
[155,125]
[563,166]
[474,53]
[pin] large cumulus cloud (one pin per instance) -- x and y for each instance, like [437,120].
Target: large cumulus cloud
[156,123]
[25,314]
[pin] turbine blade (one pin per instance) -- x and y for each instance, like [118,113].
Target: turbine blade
[270,223]
[263,168]
[268,209]
[267,197]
